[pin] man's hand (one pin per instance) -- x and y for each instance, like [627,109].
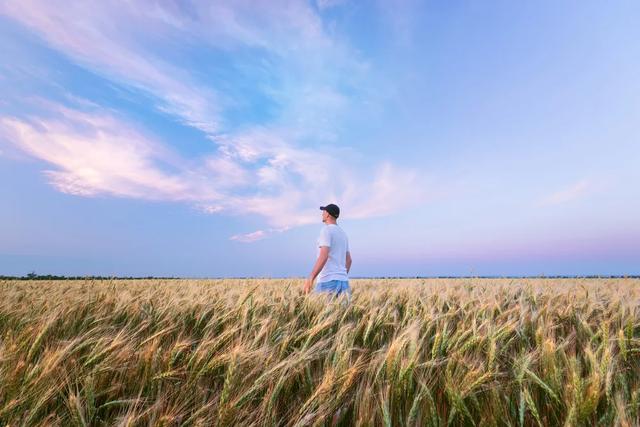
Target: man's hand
[323,256]
[308,284]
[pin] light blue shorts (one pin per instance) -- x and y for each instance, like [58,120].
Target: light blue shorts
[335,288]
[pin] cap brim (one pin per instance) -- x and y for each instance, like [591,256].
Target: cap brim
[322,208]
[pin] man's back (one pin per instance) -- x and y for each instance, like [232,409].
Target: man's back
[335,238]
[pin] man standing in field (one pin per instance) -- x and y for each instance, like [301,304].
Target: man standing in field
[334,259]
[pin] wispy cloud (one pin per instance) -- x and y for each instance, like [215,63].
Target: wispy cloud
[399,18]
[97,153]
[109,38]
[257,235]
[133,44]
[573,192]
[265,168]
[328,4]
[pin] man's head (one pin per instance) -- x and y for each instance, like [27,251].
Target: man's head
[330,213]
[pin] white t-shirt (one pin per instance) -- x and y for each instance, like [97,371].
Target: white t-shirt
[335,268]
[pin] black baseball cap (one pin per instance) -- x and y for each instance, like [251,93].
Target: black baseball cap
[333,210]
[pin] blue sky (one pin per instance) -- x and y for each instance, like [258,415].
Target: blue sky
[197,139]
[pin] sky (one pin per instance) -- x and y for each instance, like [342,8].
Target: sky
[198,139]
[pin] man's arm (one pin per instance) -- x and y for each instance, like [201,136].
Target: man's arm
[320,262]
[348,262]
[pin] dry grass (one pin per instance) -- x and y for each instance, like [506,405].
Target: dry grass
[258,352]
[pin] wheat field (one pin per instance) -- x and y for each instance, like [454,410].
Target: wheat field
[403,352]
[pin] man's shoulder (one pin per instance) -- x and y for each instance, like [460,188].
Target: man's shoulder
[338,230]
[332,229]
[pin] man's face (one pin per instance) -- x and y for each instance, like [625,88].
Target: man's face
[325,214]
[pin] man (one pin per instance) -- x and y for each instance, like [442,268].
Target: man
[334,259]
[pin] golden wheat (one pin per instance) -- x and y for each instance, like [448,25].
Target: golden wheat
[405,352]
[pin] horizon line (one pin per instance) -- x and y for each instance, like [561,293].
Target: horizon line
[91,277]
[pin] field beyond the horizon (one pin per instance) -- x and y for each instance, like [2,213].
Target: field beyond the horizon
[403,352]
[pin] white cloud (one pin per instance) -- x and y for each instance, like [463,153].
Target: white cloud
[108,38]
[250,237]
[257,235]
[96,153]
[399,16]
[257,169]
[328,4]
[568,194]
[140,45]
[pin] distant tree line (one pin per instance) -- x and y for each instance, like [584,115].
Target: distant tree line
[35,276]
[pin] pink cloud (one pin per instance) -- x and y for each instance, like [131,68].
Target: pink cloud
[128,43]
[93,155]
[257,235]
[256,169]
[573,192]
[108,38]
[250,237]
[328,4]
[97,153]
